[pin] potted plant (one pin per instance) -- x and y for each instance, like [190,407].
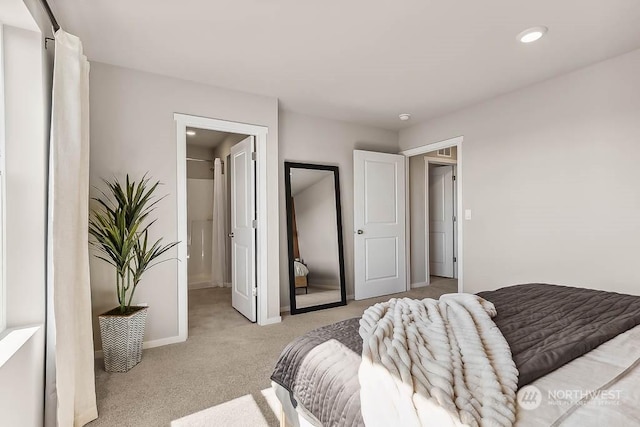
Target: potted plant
[120,230]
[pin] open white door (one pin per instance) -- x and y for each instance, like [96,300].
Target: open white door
[441,221]
[243,233]
[379,224]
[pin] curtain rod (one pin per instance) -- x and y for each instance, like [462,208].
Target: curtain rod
[192,159]
[52,18]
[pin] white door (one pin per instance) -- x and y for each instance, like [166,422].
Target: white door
[243,234]
[441,220]
[379,224]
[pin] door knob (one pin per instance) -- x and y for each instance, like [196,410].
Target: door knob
[360,232]
[231,235]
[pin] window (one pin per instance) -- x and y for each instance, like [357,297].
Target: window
[3,317]
[444,152]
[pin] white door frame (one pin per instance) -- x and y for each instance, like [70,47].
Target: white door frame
[260,133]
[452,142]
[427,219]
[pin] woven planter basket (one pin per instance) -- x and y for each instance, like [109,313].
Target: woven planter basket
[122,337]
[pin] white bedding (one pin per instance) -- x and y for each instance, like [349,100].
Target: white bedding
[618,404]
[589,372]
[300,269]
[435,363]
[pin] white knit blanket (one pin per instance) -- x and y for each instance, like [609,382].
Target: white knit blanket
[435,363]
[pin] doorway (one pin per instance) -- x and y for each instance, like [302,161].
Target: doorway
[434,213]
[211,245]
[233,261]
[391,238]
[440,219]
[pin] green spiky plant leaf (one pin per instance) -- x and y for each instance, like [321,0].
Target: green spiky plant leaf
[120,230]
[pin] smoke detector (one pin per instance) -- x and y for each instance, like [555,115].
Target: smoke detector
[404,116]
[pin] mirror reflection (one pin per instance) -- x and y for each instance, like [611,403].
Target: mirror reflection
[315,237]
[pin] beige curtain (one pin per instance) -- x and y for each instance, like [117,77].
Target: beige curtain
[71,397]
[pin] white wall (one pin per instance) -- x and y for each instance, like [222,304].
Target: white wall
[27,84]
[223,149]
[199,199]
[417,203]
[314,140]
[551,176]
[133,131]
[317,234]
[199,231]
[199,170]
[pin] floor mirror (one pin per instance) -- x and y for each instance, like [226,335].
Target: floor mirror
[314,231]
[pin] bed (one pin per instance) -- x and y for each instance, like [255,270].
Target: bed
[301,272]
[578,348]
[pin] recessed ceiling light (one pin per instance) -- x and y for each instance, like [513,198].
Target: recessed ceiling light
[532,34]
[191,132]
[404,116]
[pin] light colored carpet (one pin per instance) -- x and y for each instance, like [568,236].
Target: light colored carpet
[225,358]
[226,414]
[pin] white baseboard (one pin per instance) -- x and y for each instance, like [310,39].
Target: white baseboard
[271,321]
[419,285]
[151,344]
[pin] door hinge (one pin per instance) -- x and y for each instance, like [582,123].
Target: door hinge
[254,292]
[455,218]
[254,223]
[455,259]
[254,156]
[454,177]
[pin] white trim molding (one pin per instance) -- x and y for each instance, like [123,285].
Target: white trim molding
[424,149]
[440,161]
[260,133]
[12,340]
[271,321]
[149,344]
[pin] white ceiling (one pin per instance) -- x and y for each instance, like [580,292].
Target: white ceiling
[206,138]
[358,60]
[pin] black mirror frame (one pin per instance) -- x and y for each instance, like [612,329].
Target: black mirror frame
[292,289]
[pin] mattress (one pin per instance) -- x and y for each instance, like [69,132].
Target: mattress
[546,326]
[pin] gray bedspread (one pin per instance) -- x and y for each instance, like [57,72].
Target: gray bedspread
[546,327]
[333,396]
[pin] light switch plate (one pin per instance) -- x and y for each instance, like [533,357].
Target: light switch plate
[467,214]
